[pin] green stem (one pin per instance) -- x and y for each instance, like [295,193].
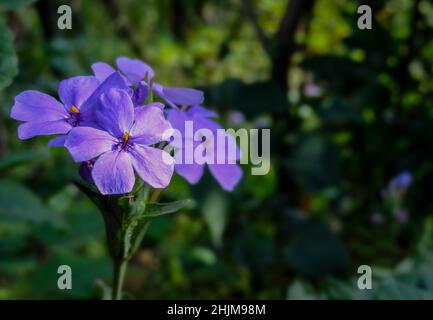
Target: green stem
[118,278]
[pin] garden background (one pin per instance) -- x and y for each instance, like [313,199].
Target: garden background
[350,113]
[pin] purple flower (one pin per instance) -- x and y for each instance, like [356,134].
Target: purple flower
[376,218]
[401,215]
[123,145]
[44,115]
[228,173]
[402,181]
[138,74]
[398,185]
[236,118]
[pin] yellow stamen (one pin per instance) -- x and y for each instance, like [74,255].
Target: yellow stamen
[74,109]
[126,136]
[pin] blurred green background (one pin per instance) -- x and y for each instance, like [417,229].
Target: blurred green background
[349,110]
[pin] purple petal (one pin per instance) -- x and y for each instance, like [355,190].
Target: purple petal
[183,96]
[134,69]
[88,108]
[57,141]
[85,171]
[204,123]
[200,112]
[33,105]
[154,166]
[113,173]
[86,143]
[30,129]
[102,70]
[140,93]
[177,119]
[227,175]
[115,113]
[74,91]
[190,172]
[158,105]
[150,126]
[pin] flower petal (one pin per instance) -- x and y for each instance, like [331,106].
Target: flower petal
[154,166]
[134,69]
[102,70]
[177,119]
[190,172]
[227,175]
[183,96]
[58,141]
[150,125]
[31,129]
[200,112]
[140,93]
[34,105]
[113,173]
[86,143]
[74,91]
[87,110]
[115,113]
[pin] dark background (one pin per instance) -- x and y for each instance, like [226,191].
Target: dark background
[348,109]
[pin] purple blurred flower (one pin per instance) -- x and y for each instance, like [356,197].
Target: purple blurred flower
[236,118]
[402,181]
[44,115]
[138,74]
[376,218]
[312,90]
[401,215]
[398,185]
[228,174]
[123,144]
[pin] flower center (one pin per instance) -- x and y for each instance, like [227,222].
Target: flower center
[75,116]
[74,109]
[126,137]
[125,143]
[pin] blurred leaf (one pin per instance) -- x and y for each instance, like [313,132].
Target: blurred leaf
[85,271]
[251,99]
[315,251]
[314,163]
[299,290]
[62,200]
[214,210]
[13,4]
[20,157]
[8,59]
[17,202]
[102,290]
[337,112]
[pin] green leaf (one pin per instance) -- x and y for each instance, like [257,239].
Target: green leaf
[315,251]
[214,210]
[16,158]
[299,290]
[252,99]
[160,209]
[8,58]
[18,202]
[13,4]
[138,222]
[314,163]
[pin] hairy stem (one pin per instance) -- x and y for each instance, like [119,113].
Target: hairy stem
[118,278]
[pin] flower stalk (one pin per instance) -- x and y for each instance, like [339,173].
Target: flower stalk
[119,271]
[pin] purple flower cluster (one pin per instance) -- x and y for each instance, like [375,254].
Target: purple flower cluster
[111,125]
